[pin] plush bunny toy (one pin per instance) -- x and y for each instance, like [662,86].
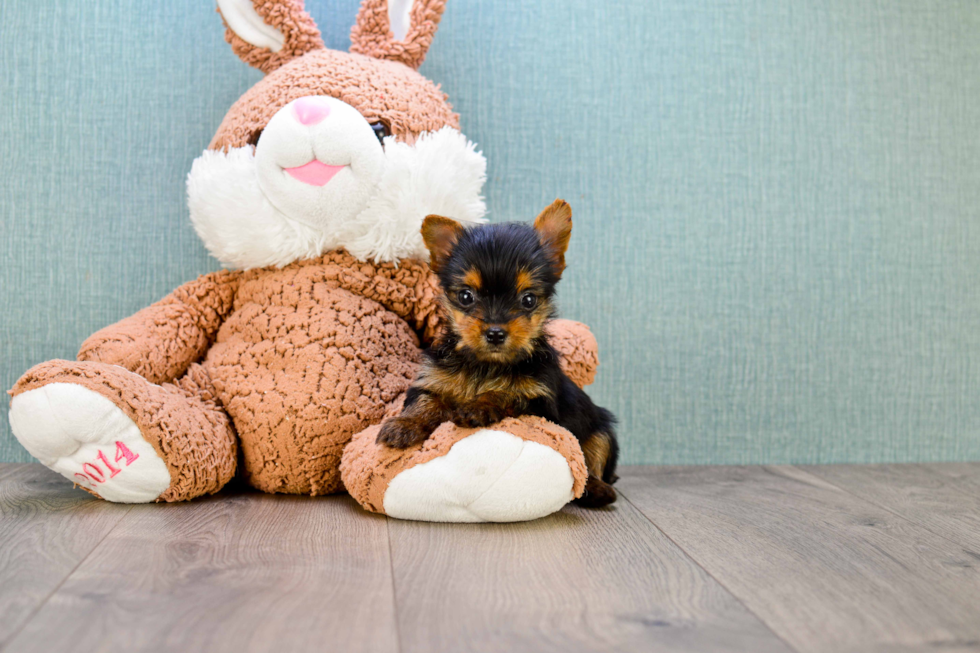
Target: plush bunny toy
[280,368]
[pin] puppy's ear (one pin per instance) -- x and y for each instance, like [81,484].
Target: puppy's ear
[440,235]
[554,227]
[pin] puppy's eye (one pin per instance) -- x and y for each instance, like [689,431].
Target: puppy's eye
[465,297]
[529,301]
[380,130]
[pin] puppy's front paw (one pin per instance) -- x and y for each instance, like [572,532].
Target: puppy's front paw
[401,433]
[478,416]
[471,420]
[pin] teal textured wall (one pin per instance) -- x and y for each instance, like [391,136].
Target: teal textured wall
[777,235]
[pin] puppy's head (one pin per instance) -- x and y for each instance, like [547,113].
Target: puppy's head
[499,279]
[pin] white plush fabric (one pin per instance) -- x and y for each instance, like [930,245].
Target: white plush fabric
[66,427]
[490,476]
[249,26]
[399,18]
[442,173]
[250,213]
[236,221]
[343,138]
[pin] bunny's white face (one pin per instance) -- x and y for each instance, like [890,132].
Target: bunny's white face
[288,181]
[318,161]
[320,178]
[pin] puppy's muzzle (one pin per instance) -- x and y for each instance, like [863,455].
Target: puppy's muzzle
[495,335]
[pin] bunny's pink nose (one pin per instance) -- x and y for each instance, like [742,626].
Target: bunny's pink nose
[311,110]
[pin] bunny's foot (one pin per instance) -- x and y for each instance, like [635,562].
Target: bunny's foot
[516,470]
[121,437]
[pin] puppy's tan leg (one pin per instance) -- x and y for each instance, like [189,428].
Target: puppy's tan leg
[598,493]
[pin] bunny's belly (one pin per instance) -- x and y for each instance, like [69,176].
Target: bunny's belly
[299,380]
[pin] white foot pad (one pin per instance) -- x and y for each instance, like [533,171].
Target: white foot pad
[490,476]
[87,439]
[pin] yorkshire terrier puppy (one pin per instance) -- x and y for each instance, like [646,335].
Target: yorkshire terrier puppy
[493,359]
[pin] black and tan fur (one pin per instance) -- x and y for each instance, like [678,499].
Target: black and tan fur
[493,360]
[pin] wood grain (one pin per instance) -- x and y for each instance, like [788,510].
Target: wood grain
[6,469]
[249,572]
[836,559]
[915,492]
[46,529]
[966,476]
[824,569]
[603,580]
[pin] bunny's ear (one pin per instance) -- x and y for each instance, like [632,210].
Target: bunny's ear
[265,34]
[399,30]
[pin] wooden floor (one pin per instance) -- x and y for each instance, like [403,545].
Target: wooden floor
[756,559]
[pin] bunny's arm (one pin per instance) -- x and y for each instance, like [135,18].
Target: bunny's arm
[409,289]
[161,341]
[578,348]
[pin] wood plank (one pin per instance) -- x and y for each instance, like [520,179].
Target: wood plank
[915,492]
[6,469]
[247,572]
[46,529]
[824,569]
[966,476]
[579,580]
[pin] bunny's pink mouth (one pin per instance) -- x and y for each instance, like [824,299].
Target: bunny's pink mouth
[314,173]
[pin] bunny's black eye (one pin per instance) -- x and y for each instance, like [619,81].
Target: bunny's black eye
[380,130]
[465,297]
[253,139]
[529,301]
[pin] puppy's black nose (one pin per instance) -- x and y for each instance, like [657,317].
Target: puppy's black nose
[495,335]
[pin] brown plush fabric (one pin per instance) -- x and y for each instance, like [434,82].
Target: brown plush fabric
[313,353]
[372,34]
[381,90]
[578,349]
[292,362]
[296,361]
[161,341]
[297,27]
[181,421]
[368,467]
